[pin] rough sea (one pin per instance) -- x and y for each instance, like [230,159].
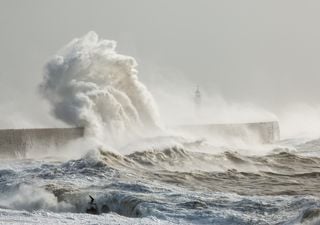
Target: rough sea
[177,184]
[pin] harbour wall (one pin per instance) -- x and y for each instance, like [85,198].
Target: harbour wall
[260,132]
[17,142]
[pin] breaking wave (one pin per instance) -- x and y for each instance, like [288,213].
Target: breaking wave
[171,183]
[89,84]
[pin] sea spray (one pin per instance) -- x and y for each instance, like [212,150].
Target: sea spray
[30,198]
[89,84]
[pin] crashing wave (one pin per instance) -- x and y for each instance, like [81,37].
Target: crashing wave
[89,84]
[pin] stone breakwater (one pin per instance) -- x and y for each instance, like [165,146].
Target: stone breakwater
[16,142]
[260,132]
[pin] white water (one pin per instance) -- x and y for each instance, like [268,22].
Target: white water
[89,84]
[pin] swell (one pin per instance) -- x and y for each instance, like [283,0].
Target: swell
[274,174]
[281,173]
[121,183]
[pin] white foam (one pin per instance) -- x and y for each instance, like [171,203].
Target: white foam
[89,84]
[30,198]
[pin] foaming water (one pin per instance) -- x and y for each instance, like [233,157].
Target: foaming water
[165,180]
[169,184]
[89,84]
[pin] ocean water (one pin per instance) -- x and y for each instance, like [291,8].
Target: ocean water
[177,184]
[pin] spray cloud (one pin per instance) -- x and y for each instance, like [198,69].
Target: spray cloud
[89,84]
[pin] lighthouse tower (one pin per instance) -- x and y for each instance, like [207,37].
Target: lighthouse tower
[197,101]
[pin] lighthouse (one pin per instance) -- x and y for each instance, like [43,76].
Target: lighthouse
[197,101]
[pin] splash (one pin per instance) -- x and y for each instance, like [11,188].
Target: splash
[89,84]
[30,198]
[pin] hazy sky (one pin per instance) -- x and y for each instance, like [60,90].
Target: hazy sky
[265,52]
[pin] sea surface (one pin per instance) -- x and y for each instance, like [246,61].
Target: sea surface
[176,182]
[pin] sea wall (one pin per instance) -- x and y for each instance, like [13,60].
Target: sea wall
[16,142]
[261,132]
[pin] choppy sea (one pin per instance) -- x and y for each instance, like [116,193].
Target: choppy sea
[181,182]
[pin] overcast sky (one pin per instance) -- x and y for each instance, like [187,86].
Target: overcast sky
[265,52]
